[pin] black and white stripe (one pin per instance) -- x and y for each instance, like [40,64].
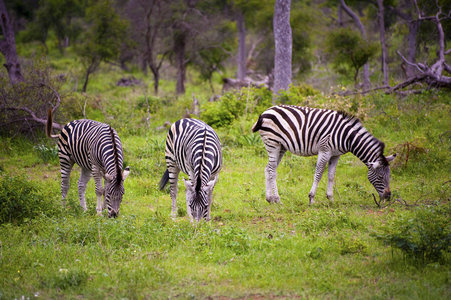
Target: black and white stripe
[309,131]
[194,148]
[97,149]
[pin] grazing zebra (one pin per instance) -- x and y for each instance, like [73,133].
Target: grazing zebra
[97,149]
[309,131]
[193,147]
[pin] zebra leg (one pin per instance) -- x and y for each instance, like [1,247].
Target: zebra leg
[100,191]
[275,155]
[210,196]
[82,183]
[323,158]
[173,178]
[66,168]
[331,176]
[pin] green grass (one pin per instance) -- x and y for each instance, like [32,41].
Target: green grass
[250,249]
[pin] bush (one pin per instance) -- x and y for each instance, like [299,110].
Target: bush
[424,237]
[21,199]
[47,154]
[247,101]
[297,95]
[33,96]
[216,116]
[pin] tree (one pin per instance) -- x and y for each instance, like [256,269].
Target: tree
[384,57]
[57,15]
[432,75]
[192,21]
[215,48]
[283,45]
[356,19]
[103,38]
[8,47]
[149,30]
[349,50]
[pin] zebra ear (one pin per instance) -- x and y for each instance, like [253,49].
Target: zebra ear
[108,177]
[374,165]
[125,173]
[391,157]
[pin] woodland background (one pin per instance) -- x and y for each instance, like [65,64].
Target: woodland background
[141,65]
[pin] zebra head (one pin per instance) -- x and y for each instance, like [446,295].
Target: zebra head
[114,190]
[379,176]
[198,199]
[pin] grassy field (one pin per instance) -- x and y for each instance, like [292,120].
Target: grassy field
[250,249]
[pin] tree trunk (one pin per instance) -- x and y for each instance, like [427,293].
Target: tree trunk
[156,79]
[384,58]
[283,45]
[241,59]
[85,85]
[412,47]
[366,67]
[91,68]
[8,47]
[179,49]
[340,15]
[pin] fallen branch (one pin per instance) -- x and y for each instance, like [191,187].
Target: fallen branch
[33,116]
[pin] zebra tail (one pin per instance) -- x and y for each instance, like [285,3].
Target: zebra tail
[258,124]
[49,125]
[164,180]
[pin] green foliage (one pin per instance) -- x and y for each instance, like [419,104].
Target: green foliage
[232,105]
[46,153]
[297,95]
[21,199]
[106,32]
[102,41]
[149,103]
[349,51]
[66,278]
[424,235]
[216,116]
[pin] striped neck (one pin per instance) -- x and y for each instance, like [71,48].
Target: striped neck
[365,146]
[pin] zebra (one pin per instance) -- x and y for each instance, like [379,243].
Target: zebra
[327,133]
[194,148]
[97,149]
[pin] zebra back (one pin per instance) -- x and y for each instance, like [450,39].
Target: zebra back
[92,144]
[304,130]
[194,147]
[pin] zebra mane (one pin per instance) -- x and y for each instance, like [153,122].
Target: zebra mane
[348,116]
[116,157]
[199,176]
[381,154]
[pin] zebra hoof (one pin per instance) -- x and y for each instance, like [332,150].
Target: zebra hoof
[311,199]
[331,198]
[273,199]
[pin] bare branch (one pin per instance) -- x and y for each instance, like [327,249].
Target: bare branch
[32,116]
[411,64]
[58,102]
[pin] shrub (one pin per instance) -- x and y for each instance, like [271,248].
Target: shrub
[21,199]
[247,101]
[216,116]
[297,95]
[47,154]
[21,103]
[424,237]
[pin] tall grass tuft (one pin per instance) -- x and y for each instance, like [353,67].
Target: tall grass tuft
[21,199]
